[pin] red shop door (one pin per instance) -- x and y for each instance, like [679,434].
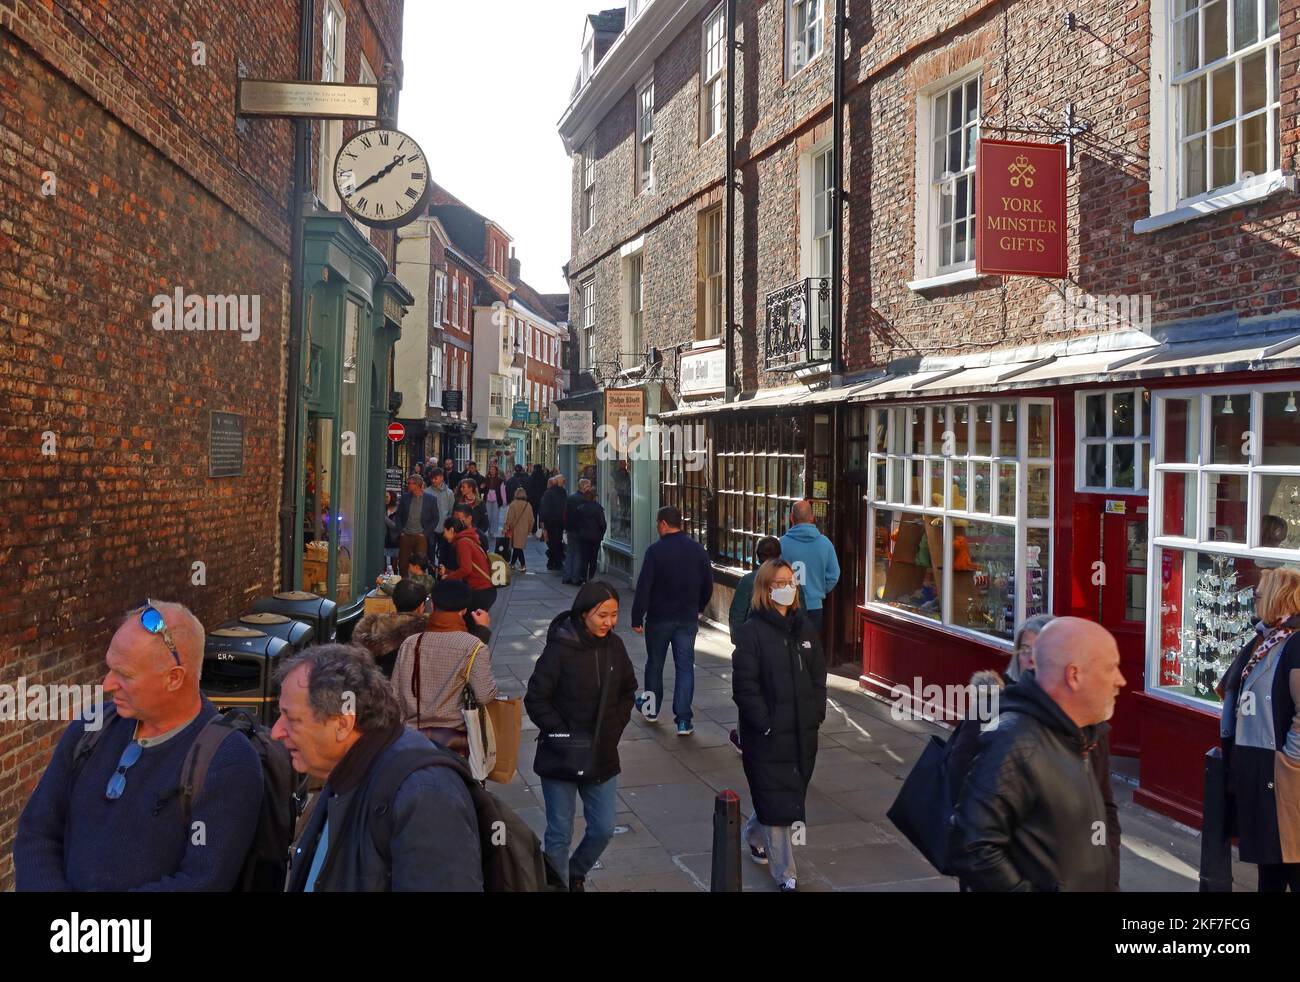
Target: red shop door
[1114,593]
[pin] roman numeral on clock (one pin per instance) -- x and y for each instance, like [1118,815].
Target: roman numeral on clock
[365,141]
[361,203]
[379,210]
[384,138]
[417,175]
[412,194]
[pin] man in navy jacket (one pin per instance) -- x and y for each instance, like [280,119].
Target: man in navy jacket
[674,588]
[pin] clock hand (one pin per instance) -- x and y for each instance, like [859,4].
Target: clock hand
[382,173]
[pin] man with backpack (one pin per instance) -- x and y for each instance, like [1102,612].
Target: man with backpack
[163,796]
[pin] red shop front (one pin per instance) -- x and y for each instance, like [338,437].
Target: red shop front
[1200,482]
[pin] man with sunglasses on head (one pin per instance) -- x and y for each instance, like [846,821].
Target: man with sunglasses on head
[112,817]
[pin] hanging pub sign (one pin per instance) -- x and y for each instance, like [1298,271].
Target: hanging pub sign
[1020,209]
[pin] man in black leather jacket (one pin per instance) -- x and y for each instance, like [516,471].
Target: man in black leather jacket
[1030,815]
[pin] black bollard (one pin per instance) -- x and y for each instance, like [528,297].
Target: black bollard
[1216,845]
[726,843]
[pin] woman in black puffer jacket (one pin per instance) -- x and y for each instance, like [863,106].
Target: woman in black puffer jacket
[563,697]
[779,685]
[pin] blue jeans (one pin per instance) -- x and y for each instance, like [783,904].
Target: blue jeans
[599,804]
[778,842]
[573,560]
[681,635]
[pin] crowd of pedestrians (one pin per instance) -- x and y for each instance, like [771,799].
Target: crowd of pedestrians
[376,729]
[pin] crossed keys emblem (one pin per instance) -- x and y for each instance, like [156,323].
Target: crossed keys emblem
[1020,171]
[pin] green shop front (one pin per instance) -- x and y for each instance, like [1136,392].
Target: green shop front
[353,308]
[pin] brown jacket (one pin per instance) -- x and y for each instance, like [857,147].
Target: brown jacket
[382,634]
[519,523]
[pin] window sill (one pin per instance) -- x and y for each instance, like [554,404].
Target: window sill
[1263,187]
[966,634]
[792,75]
[943,279]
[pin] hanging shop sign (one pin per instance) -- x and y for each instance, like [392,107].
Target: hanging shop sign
[575,429]
[624,409]
[519,414]
[1020,209]
[453,400]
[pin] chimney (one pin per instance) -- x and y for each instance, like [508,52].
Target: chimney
[512,267]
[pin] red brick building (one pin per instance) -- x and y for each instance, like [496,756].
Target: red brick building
[127,179]
[1114,445]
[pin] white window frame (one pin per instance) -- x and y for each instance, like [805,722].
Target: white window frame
[1140,441]
[931,189]
[589,185]
[439,297]
[645,133]
[1166,206]
[713,70]
[588,59]
[333,69]
[455,300]
[589,323]
[633,309]
[799,38]
[497,397]
[712,272]
[1201,470]
[900,453]
[810,236]
[435,376]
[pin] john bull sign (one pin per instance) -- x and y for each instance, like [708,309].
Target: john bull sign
[1020,209]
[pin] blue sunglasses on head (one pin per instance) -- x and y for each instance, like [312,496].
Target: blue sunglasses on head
[152,621]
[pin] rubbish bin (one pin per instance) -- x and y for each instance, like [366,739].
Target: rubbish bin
[239,664]
[299,634]
[320,612]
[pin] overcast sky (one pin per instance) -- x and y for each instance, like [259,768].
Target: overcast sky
[486,82]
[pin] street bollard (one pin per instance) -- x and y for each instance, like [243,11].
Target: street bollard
[1216,846]
[726,843]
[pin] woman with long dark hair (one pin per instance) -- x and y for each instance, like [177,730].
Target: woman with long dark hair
[580,696]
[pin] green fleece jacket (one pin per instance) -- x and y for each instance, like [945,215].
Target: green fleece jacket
[740,603]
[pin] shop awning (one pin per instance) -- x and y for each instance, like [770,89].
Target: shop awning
[1207,347]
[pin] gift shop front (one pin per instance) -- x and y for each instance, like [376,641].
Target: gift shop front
[1145,489]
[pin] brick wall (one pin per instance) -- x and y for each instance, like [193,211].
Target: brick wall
[1243,260]
[156,189]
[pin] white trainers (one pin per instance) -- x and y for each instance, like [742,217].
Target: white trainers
[788,886]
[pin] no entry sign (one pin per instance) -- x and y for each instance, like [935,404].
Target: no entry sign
[396,432]
[1020,211]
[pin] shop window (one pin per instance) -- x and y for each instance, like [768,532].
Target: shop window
[1114,441]
[961,509]
[761,474]
[684,483]
[345,512]
[1225,506]
[318,499]
[618,502]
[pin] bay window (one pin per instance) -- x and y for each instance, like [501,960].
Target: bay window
[961,513]
[1225,506]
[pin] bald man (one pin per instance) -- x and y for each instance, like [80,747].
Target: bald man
[812,555]
[108,813]
[1031,815]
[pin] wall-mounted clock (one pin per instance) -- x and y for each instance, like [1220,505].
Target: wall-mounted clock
[382,178]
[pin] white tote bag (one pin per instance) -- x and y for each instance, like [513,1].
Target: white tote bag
[478,728]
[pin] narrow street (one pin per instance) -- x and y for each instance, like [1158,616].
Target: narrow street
[668,783]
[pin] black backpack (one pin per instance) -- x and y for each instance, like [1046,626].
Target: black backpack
[264,866]
[513,861]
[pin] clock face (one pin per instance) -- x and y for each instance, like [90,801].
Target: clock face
[382,178]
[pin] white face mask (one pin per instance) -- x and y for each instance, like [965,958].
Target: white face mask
[784,595]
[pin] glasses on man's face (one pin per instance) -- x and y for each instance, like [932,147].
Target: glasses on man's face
[152,621]
[117,783]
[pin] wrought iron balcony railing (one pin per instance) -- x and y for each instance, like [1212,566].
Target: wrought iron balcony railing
[798,325]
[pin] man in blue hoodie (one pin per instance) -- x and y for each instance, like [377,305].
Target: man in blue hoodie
[674,588]
[813,557]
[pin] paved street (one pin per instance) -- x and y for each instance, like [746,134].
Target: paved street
[668,783]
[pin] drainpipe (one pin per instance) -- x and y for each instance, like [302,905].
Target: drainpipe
[293,390]
[728,192]
[837,225]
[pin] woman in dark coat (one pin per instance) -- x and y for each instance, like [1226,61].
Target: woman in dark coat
[582,651]
[1260,729]
[591,532]
[779,685]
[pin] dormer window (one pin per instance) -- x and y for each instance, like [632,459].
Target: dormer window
[588,58]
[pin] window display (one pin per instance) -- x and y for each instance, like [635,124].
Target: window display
[969,534]
[1114,430]
[1219,524]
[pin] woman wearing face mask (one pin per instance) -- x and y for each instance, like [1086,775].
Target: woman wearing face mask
[584,660]
[779,685]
